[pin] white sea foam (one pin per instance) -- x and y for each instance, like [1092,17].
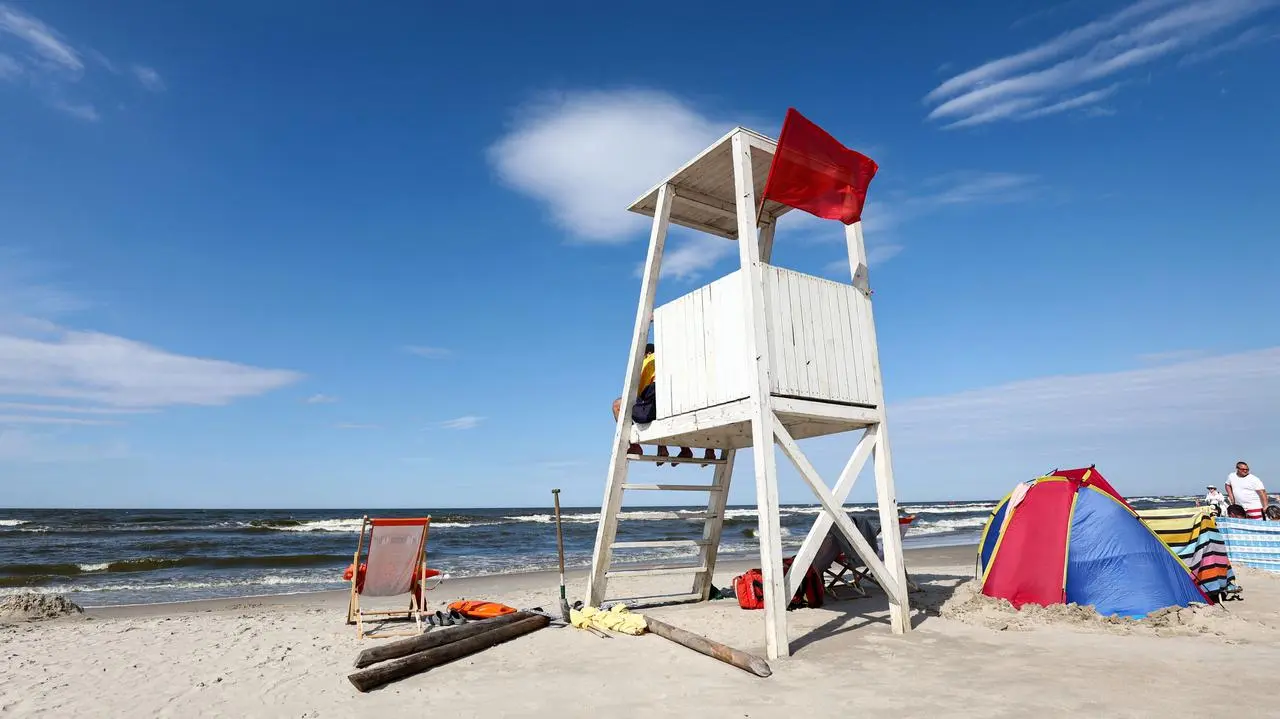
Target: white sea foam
[94,567]
[945,525]
[13,522]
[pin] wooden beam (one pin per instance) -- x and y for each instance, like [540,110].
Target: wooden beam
[706,202]
[825,411]
[379,674]
[897,592]
[435,638]
[760,409]
[608,526]
[766,239]
[699,420]
[674,487]
[886,495]
[840,493]
[726,654]
[714,526]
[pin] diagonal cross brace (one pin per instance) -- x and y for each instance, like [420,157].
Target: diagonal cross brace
[844,485]
[834,511]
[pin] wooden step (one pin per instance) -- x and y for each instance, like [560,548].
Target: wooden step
[672,459]
[661,543]
[651,570]
[674,487]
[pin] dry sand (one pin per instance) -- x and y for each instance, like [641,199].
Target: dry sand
[289,657]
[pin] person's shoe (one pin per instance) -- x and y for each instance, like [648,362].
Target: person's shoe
[662,452]
[685,453]
[709,453]
[635,449]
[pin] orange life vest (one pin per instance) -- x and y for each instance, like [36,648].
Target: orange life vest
[480,609]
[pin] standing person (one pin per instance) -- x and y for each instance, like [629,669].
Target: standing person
[1247,491]
[1215,501]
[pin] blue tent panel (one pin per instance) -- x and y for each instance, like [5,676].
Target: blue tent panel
[993,535]
[1118,565]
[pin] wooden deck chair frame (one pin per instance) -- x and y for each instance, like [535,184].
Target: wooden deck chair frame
[417,599]
[852,572]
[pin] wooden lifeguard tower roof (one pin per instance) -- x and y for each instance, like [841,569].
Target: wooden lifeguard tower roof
[704,191]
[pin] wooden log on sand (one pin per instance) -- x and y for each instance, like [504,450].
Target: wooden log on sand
[434,638]
[377,675]
[729,655]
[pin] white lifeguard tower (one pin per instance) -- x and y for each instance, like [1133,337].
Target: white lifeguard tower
[762,355]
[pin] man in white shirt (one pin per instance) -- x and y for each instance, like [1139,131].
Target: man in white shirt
[1247,491]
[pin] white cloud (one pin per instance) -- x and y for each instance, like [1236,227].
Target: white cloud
[1036,82]
[1235,391]
[39,38]
[55,69]
[70,408]
[429,352]
[321,399]
[80,111]
[1248,38]
[692,256]
[97,367]
[149,78]
[466,422]
[19,419]
[1170,356]
[588,155]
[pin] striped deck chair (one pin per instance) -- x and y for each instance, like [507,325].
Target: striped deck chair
[395,564]
[1192,533]
[841,566]
[1252,542]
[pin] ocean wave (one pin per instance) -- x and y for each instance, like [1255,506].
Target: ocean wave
[169,587]
[942,526]
[985,507]
[13,522]
[11,572]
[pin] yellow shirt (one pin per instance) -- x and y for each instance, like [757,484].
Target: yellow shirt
[646,372]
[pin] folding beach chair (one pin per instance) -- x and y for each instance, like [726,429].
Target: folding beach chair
[841,565]
[396,564]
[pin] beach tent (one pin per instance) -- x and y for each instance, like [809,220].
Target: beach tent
[1069,537]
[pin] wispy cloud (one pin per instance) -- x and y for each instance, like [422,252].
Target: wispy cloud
[1043,80]
[19,419]
[77,372]
[53,67]
[588,155]
[149,78]
[1249,38]
[1171,356]
[688,257]
[428,352]
[355,425]
[466,422]
[321,399]
[1239,391]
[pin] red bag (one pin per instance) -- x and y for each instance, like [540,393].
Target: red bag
[749,588]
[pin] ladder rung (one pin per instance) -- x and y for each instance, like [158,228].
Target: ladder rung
[651,570]
[675,487]
[661,543]
[656,599]
[678,460]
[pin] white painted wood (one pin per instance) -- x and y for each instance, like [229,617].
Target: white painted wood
[840,494]
[657,458]
[811,409]
[673,487]
[655,543]
[607,529]
[835,510]
[762,417]
[713,529]
[706,202]
[886,494]
[652,571]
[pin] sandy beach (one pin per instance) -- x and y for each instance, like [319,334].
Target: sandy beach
[289,656]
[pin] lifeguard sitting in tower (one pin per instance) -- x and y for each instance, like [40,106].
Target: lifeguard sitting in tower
[646,409]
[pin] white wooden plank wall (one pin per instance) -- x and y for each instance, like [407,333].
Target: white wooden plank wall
[817,343]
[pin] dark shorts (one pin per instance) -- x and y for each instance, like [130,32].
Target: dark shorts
[646,409]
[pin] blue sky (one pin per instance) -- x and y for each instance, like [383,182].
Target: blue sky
[362,255]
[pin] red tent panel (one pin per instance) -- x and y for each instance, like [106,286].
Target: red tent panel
[1032,571]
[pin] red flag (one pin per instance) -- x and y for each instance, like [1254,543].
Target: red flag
[813,172]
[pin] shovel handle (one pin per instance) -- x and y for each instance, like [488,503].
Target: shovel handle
[555,494]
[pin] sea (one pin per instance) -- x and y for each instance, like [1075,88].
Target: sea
[103,557]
